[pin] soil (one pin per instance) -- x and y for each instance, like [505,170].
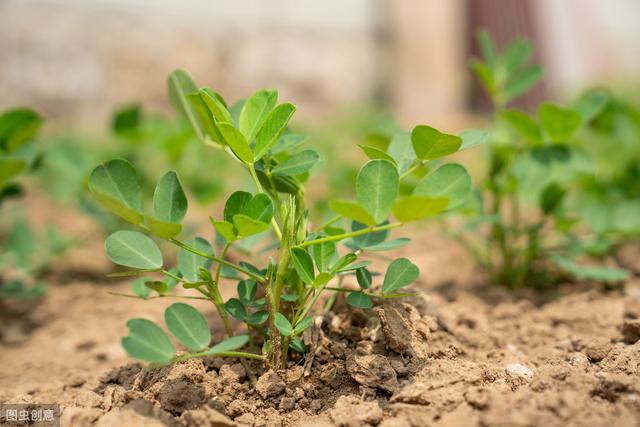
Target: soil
[456,354]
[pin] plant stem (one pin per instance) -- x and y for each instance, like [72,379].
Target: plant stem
[118,294]
[186,247]
[350,234]
[412,169]
[330,222]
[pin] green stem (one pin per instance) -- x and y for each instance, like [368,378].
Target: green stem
[330,222]
[118,294]
[186,247]
[350,234]
[413,169]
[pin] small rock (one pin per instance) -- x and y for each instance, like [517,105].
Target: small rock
[247,419]
[477,397]
[79,417]
[396,329]
[294,374]
[140,413]
[287,403]
[631,331]
[206,417]
[519,370]
[270,384]
[349,411]
[328,373]
[597,350]
[231,373]
[373,371]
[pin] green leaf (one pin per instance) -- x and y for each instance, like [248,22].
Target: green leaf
[559,123]
[216,105]
[181,85]
[473,137]
[322,279]
[355,266]
[400,273]
[451,181]
[230,344]
[189,263]
[116,186]
[600,274]
[377,186]
[522,81]
[296,344]
[353,211]
[255,111]
[146,341]
[359,300]
[297,164]
[169,201]
[524,125]
[283,325]
[260,208]
[163,229]
[236,140]
[9,168]
[204,117]
[303,264]
[517,53]
[139,288]
[17,127]
[486,46]
[248,226]
[188,325]
[235,308]
[368,239]
[551,198]
[302,325]
[374,153]
[401,150]
[388,245]
[325,255]
[272,128]
[226,229]
[430,143]
[591,103]
[287,143]
[257,318]
[414,208]
[156,285]
[343,263]
[235,204]
[133,249]
[247,290]
[364,278]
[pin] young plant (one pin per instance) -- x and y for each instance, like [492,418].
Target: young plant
[532,160]
[24,254]
[277,299]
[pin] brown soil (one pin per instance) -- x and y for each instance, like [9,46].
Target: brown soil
[452,356]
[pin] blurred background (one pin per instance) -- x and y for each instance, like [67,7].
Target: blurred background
[76,60]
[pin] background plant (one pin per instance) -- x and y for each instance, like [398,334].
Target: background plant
[276,299]
[524,229]
[25,253]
